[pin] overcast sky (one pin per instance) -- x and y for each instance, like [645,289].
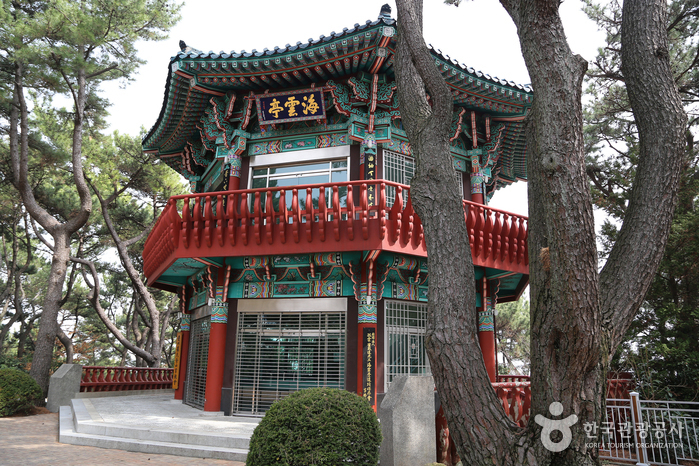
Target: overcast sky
[478,34]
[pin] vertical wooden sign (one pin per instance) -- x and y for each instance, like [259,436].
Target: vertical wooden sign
[178,355]
[369,364]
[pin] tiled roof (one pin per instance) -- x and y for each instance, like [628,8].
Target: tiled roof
[195,76]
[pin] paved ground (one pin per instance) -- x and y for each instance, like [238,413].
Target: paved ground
[33,441]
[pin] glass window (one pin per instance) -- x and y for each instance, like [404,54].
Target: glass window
[302,174]
[399,169]
[405,339]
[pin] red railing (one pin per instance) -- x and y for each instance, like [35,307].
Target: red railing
[512,378]
[116,379]
[515,393]
[516,398]
[319,218]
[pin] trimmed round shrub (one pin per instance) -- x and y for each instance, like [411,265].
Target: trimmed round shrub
[18,392]
[317,426]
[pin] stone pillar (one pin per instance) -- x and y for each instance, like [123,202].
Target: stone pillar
[63,386]
[408,422]
[217,348]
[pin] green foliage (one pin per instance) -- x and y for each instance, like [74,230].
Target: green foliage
[317,426]
[18,392]
[513,336]
[11,362]
[660,346]
[66,50]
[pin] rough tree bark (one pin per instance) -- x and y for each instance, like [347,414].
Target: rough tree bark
[577,315]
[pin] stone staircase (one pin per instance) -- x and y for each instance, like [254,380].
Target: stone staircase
[82,424]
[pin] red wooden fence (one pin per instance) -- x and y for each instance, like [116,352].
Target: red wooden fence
[115,379]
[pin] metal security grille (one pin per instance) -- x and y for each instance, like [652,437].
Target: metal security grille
[405,339]
[195,388]
[279,353]
[399,169]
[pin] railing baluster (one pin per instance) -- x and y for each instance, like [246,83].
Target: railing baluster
[231,212]
[322,214]
[337,212]
[220,222]
[196,224]
[505,235]
[269,218]
[257,217]
[309,215]
[208,221]
[496,238]
[186,220]
[295,214]
[283,219]
[364,212]
[244,219]
[396,215]
[350,213]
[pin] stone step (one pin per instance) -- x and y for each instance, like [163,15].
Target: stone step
[85,424]
[88,433]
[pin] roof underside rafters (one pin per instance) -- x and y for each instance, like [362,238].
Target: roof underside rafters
[195,77]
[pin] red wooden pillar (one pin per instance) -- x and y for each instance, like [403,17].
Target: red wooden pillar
[183,355]
[366,334]
[234,179]
[486,331]
[477,188]
[217,347]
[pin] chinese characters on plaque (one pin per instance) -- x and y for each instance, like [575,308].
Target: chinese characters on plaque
[368,369]
[283,107]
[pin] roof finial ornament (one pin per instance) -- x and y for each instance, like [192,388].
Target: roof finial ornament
[385,11]
[187,48]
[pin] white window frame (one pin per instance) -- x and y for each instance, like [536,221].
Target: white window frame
[395,163]
[412,331]
[394,169]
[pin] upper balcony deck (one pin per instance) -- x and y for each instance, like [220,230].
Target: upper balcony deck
[319,218]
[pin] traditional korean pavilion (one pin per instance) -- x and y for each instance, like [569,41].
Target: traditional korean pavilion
[298,257]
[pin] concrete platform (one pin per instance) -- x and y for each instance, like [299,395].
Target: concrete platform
[155,423]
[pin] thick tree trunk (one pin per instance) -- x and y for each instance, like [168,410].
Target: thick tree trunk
[48,325]
[476,418]
[566,338]
[61,232]
[661,123]
[577,317]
